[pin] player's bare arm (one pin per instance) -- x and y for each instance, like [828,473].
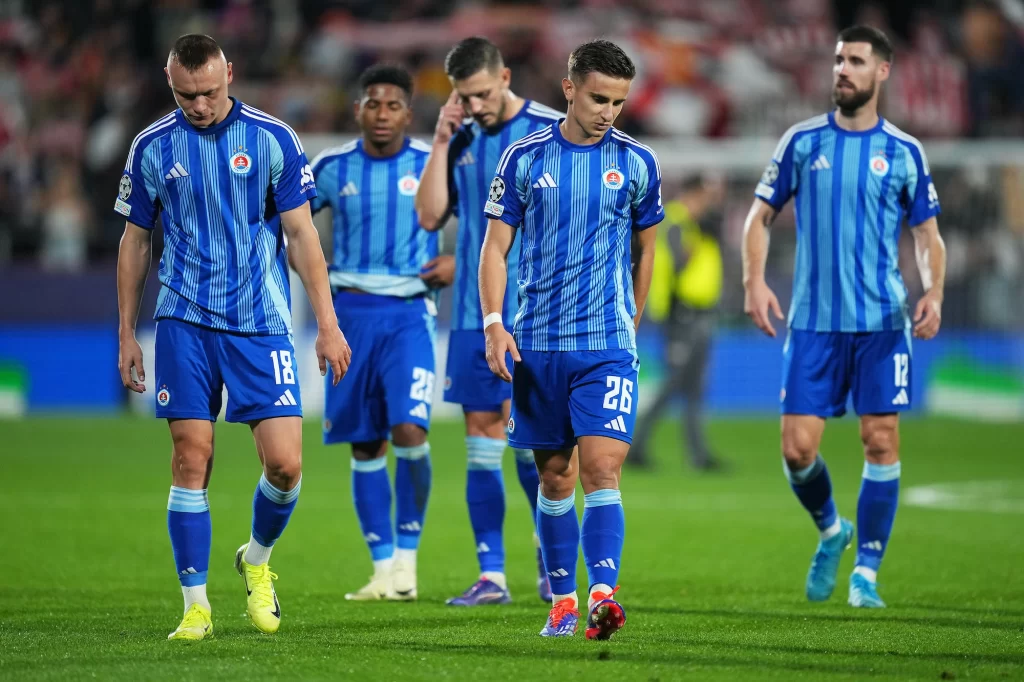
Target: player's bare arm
[493,278]
[642,250]
[432,195]
[133,259]
[930,251]
[759,299]
[308,260]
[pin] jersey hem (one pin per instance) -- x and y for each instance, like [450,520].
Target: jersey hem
[233,332]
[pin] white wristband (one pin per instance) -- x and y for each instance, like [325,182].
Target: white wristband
[493,318]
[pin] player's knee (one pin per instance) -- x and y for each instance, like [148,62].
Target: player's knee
[799,448]
[601,473]
[485,425]
[192,456]
[284,474]
[557,478]
[364,452]
[881,442]
[408,435]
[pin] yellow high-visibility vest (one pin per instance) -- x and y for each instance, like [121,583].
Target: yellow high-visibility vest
[699,285]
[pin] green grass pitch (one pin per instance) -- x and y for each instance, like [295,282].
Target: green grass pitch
[712,575]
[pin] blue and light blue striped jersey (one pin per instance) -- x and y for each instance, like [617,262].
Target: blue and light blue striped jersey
[472,157]
[378,244]
[852,192]
[578,207]
[220,192]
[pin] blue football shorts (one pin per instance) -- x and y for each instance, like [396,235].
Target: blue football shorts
[469,381]
[559,396]
[821,369]
[193,364]
[391,378]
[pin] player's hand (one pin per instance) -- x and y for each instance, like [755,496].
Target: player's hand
[449,120]
[499,342]
[928,316]
[757,303]
[129,357]
[439,272]
[332,349]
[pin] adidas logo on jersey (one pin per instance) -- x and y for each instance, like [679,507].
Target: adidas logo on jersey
[616,425]
[177,171]
[821,163]
[605,563]
[286,399]
[545,182]
[349,190]
[420,411]
[901,398]
[466,159]
[874,544]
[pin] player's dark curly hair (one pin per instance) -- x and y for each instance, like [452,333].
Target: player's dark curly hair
[600,56]
[193,50]
[880,44]
[387,74]
[471,56]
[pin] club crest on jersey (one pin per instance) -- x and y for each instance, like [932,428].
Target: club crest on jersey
[240,163]
[613,179]
[124,190]
[879,165]
[408,185]
[163,396]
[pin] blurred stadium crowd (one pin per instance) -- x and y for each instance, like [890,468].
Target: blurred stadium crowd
[79,79]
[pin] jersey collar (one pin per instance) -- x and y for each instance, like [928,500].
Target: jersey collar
[405,146]
[236,109]
[556,126]
[856,133]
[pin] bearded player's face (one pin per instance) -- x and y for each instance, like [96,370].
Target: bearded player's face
[856,75]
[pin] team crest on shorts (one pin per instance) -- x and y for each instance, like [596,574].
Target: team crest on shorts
[613,179]
[408,185]
[447,383]
[879,165]
[240,163]
[163,396]
[328,426]
[511,424]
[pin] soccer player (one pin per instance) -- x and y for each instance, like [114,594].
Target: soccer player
[584,195]
[384,301]
[854,177]
[456,181]
[229,183]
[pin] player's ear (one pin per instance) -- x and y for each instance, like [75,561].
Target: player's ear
[356,108]
[230,74]
[569,89]
[167,72]
[506,76]
[883,71]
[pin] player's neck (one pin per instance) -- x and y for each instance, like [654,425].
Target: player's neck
[513,105]
[858,120]
[381,152]
[573,133]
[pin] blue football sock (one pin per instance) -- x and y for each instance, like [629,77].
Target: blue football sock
[529,479]
[412,490]
[188,523]
[271,509]
[559,532]
[604,530]
[813,488]
[485,495]
[876,512]
[371,493]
